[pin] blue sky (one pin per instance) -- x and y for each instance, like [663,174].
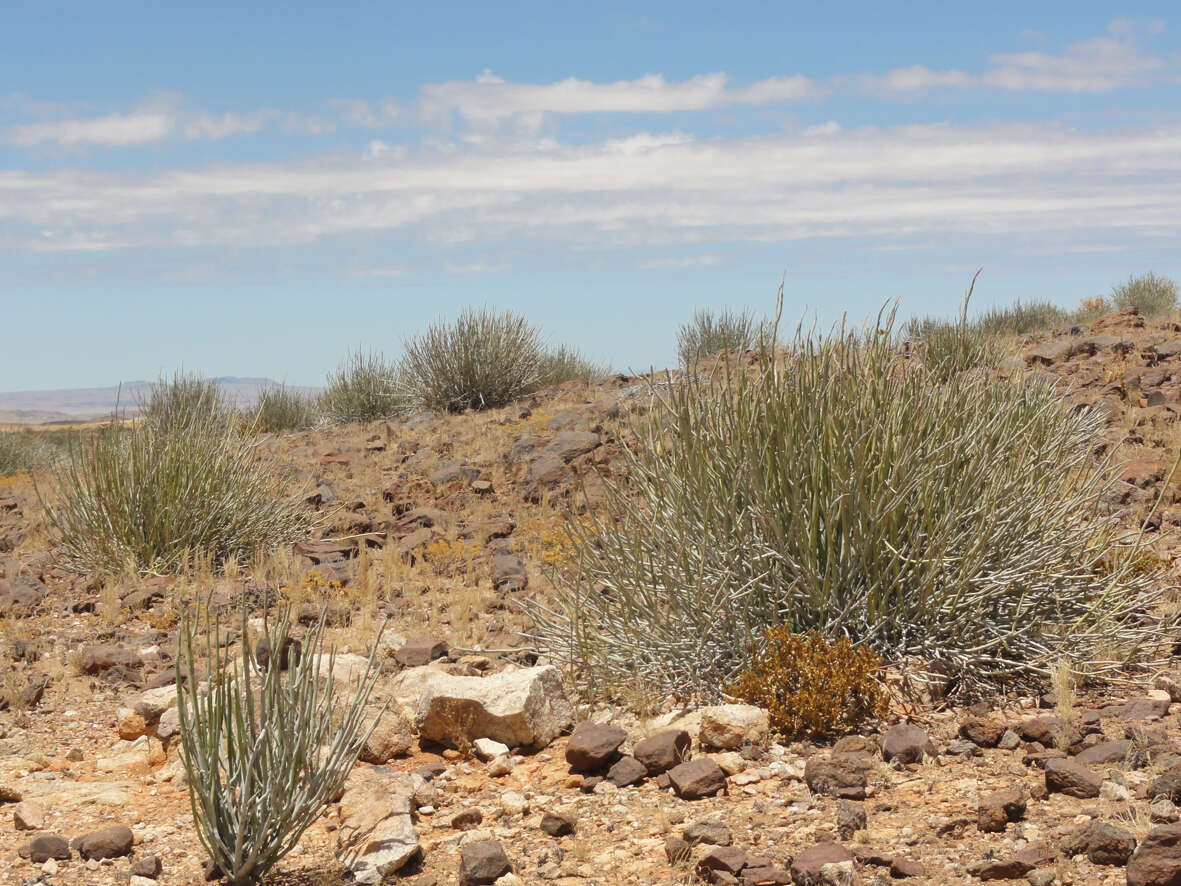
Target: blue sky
[254,191]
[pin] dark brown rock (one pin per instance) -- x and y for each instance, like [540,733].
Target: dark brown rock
[697,779]
[662,751]
[730,859]
[147,866]
[593,746]
[1167,784]
[905,868]
[997,810]
[508,573]
[1050,731]
[1013,867]
[805,867]
[906,743]
[46,846]
[420,651]
[1157,860]
[982,731]
[112,842]
[96,659]
[482,862]
[1071,778]
[1105,753]
[712,832]
[1101,841]
[850,818]
[557,824]
[626,771]
[838,775]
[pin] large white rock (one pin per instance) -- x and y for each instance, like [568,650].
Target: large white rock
[729,726]
[377,835]
[154,702]
[520,708]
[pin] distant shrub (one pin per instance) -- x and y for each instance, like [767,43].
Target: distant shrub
[708,332]
[835,488]
[1091,309]
[363,388]
[1150,294]
[1020,318]
[481,360]
[812,688]
[563,364]
[183,399]
[949,347]
[155,496]
[26,449]
[281,409]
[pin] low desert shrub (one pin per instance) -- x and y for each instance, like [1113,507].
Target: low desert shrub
[563,364]
[183,399]
[481,360]
[1021,317]
[264,747]
[708,332]
[1151,294]
[837,487]
[26,449]
[365,387]
[1091,309]
[281,409]
[812,688]
[155,496]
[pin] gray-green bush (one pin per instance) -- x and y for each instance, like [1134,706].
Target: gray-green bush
[184,398]
[24,450]
[841,488]
[264,748]
[1021,317]
[563,364]
[483,359]
[365,387]
[154,496]
[1151,294]
[709,331]
[281,409]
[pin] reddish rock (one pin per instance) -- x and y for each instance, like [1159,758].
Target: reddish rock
[593,746]
[662,751]
[805,867]
[1157,860]
[1071,778]
[697,779]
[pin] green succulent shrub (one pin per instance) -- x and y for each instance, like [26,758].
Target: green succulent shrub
[838,487]
[708,332]
[152,497]
[811,687]
[264,748]
[365,387]
[483,359]
[1151,294]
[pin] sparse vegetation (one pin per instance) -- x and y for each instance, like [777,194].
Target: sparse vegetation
[365,387]
[264,748]
[1151,294]
[1021,318]
[837,490]
[183,399]
[282,409]
[26,449]
[481,360]
[708,332]
[812,688]
[152,497]
[563,364]
[1091,309]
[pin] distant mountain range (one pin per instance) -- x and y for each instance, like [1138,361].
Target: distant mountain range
[87,404]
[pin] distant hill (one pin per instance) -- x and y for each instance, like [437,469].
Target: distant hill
[87,404]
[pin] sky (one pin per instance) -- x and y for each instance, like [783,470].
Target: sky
[255,189]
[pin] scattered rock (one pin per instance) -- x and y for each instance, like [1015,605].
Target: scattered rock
[697,779]
[729,726]
[148,866]
[113,842]
[482,862]
[1157,860]
[1102,842]
[997,810]
[662,751]
[28,815]
[807,868]
[627,770]
[558,824]
[906,743]
[377,836]
[851,818]
[593,746]
[46,846]
[420,651]
[1069,777]
[838,775]
[712,832]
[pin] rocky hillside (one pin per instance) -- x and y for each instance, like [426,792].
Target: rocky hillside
[442,524]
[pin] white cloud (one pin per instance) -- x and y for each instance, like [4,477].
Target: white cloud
[1097,65]
[113,130]
[490,100]
[648,190]
[357,112]
[477,267]
[205,126]
[689,261]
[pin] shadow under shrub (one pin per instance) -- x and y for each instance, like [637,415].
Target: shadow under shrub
[812,688]
[154,497]
[840,488]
